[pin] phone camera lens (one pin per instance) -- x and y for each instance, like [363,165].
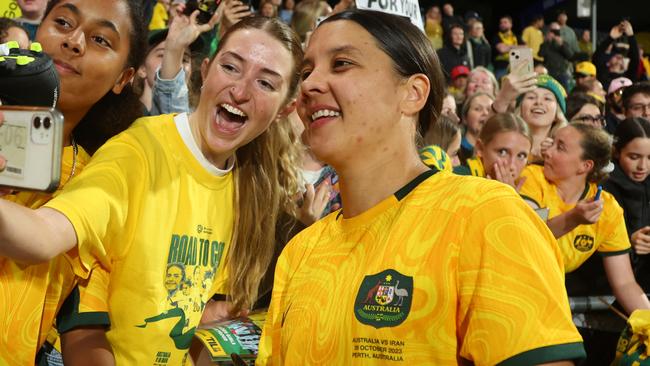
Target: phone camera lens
[47,123]
[37,122]
[517,57]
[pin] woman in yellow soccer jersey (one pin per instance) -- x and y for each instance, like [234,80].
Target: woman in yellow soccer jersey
[584,219]
[170,194]
[502,150]
[421,266]
[94,64]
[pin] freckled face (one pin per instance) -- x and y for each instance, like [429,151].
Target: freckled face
[343,74]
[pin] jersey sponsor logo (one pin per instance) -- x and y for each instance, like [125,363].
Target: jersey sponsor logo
[384,299]
[583,243]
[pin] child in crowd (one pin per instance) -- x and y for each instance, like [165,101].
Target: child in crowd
[502,150]
[475,112]
[10,30]
[630,185]
[442,144]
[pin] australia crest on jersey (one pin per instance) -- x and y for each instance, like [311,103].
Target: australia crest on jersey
[384,299]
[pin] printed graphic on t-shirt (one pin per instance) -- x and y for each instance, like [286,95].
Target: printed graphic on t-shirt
[384,299]
[191,266]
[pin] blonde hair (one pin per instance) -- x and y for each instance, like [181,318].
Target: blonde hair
[490,74]
[305,15]
[504,122]
[266,178]
[468,103]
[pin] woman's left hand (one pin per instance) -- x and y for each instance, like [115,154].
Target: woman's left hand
[314,202]
[505,173]
[218,311]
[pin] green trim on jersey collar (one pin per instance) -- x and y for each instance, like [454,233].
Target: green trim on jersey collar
[410,186]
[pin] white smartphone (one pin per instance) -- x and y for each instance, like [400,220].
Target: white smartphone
[31,141]
[521,60]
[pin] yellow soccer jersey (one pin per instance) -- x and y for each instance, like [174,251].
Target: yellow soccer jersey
[10,9]
[147,211]
[608,236]
[474,167]
[159,18]
[435,157]
[31,295]
[449,270]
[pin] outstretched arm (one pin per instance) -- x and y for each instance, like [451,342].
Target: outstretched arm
[34,236]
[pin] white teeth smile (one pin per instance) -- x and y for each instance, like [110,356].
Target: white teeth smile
[233,110]
[324,113]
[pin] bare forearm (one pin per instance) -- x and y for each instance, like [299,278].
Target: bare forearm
[561,225]
[32,236]
[631,297]
[171,63]
[621,279]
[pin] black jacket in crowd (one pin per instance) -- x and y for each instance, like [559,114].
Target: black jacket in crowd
[556,58]
[451,57]
[600,59]
[481,52]
[634,198]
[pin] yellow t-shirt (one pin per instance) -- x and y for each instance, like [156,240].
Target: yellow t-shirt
[435,157]
[608,236]
[533,38]
[159,17]
[159,222]
[448,268]
[30,295]
[10,9]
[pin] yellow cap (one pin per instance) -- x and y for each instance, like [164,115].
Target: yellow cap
[586,68]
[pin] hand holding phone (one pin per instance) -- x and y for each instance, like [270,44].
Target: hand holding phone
[206,9]
[31,144]
[521,60]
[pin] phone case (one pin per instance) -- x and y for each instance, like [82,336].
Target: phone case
[31,141]
[519,56]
